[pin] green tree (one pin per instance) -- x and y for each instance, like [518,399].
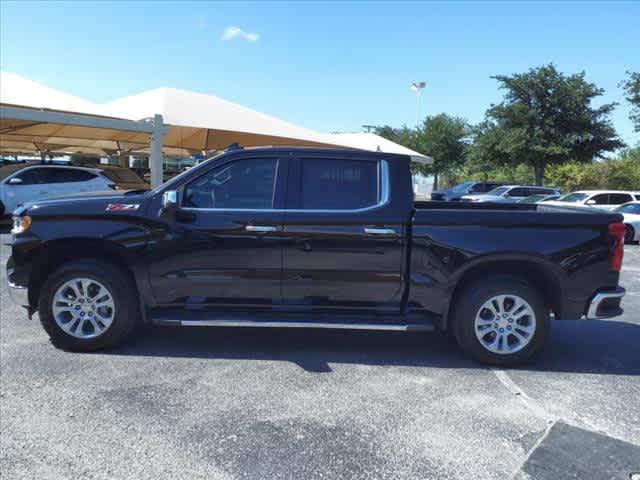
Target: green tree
[445,139]
[546,118]
[621,173]
[442,137]
[631,88]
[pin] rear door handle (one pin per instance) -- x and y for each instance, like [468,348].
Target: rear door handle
[260,228]
[379,231]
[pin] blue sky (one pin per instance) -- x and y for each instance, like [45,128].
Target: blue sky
[328,66]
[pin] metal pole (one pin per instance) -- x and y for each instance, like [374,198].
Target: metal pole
[155,157]
[418,96]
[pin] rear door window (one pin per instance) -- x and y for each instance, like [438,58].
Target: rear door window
[601,199]
[519,192]
[619,198]
[32,176]
[68,175]
[337,184]
[541,191]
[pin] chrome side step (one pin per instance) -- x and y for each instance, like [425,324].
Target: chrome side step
[191,318]
[329,325]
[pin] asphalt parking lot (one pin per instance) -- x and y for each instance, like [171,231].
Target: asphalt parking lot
[257,404]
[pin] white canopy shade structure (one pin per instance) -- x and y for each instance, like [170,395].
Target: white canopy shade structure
[17,90]
[35,118]
[38,119]
[199,122]
[376,143]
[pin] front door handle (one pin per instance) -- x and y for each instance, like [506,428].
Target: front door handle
[260,228]
[379,231]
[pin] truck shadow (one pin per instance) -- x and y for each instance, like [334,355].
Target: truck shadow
[601,347]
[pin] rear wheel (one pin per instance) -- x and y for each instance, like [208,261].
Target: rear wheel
[500,321]
[88,305]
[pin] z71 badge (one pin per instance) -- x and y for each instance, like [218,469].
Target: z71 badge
[122,207]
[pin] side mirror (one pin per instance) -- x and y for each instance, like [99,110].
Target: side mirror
[170,210]
[590,202]
[169,199]
[15,181]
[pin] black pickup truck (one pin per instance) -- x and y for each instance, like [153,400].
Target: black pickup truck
[318,238]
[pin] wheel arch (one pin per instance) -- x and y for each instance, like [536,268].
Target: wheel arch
[55,253]
[541,274]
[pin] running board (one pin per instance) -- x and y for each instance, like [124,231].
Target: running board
[351,322]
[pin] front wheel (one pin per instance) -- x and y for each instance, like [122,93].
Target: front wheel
[88,305]
[501,320]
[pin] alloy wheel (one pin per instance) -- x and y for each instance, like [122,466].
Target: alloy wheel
[83,308]
[505,324]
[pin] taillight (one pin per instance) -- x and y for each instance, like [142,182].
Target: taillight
[616,230]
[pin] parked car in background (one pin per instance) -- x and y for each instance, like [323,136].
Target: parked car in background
[539,197]
[27,183]
[468,188]
[123,178]
[510,194]
[631,213]
[602,199]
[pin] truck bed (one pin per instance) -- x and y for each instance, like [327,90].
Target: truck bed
[428,212]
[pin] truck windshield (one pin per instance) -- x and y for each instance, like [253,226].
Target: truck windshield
[177,178]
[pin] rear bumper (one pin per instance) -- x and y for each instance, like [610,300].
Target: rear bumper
[605,304]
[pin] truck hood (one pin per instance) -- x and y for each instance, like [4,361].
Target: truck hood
[91,203]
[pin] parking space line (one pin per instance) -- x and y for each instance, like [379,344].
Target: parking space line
[510,385]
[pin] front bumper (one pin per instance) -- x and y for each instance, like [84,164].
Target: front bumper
[605,304]
[19,294]
[17,282]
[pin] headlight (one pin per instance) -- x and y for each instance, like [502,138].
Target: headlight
[21,224]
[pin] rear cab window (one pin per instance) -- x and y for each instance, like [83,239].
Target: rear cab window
[339,184]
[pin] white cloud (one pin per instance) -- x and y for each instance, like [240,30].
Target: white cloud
[236,32]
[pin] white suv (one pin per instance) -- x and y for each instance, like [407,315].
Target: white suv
[602,199]
[42,181]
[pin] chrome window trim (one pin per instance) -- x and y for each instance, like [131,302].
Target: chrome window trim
[383,200]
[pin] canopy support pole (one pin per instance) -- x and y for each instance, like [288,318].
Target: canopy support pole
[155,159]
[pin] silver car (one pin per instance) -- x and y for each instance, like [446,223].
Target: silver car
[510,194]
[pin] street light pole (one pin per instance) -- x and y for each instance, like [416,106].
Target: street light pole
[418,87]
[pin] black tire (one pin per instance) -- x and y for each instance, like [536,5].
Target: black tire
[473,297]
[629,233]
[122,289]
